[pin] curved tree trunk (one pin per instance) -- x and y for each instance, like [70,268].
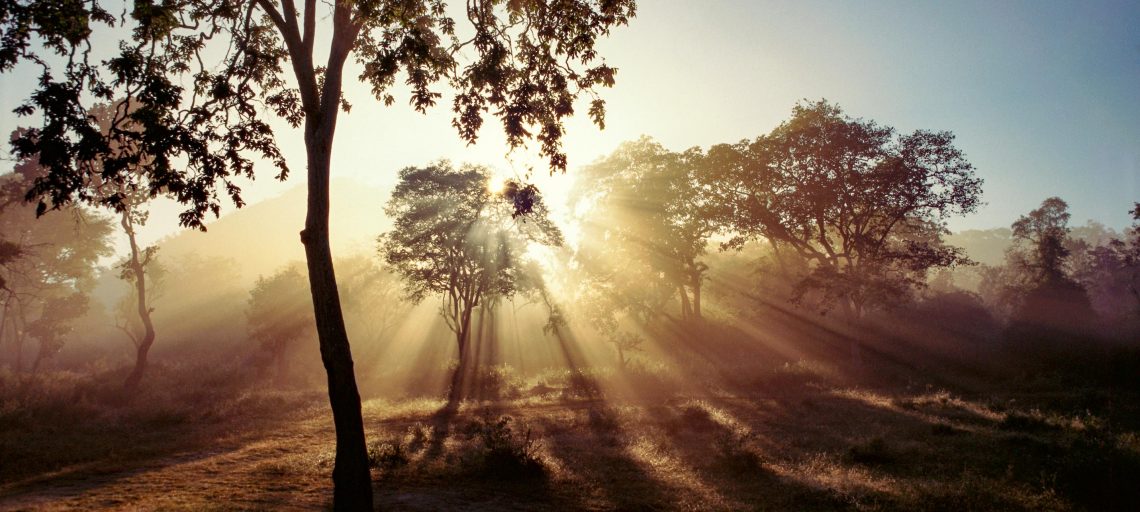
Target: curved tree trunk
[138,269]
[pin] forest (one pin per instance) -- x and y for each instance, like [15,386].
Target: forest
[794,320]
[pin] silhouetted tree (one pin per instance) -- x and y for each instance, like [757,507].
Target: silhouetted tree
[1040,239]
[646,222]
[455,238]
[202,73]
[279,314]
[1051,307]
[865,207]
[128,198]
[1111,272]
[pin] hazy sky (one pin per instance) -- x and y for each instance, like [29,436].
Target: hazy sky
[1043,96]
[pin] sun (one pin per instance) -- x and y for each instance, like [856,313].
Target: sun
[495,185]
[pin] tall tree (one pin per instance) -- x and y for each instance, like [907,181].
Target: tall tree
[864,207]
[128,198]
[455,238]
[526,62]
[1051,306]
[646,220]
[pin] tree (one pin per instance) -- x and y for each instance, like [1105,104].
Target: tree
[455,238]
[278,314]
[646,221]
[864,207]
[47,265]
[1107,265]
[53,324]
[128,198]
[526,62]
[1051,307]
[1040,240]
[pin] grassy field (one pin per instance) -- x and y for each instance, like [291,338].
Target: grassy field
[796,439]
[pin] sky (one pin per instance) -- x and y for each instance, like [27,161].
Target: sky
[1044,97]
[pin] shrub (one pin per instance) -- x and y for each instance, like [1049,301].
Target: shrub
[418,436]
[387,454]
[506,451]
[498,383]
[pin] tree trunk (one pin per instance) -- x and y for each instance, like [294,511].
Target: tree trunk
[38,360]
[462,339]
[139,271]
[696,296]
[686,310]
[352,480]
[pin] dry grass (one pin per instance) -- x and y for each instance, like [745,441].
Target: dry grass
[820,443]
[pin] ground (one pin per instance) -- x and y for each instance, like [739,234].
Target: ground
[792,444]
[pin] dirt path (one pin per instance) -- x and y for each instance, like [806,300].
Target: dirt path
[285,468]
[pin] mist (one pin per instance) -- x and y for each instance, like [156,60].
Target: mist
[836,310]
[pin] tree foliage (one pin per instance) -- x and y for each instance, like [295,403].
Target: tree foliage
[864,206]
[1041,249]
[453,237]
[279,313]
[47,266]
[199,122]
[205,74]
[645,225]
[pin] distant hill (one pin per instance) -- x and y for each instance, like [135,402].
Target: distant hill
[264,236]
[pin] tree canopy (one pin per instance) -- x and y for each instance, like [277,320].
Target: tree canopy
[47,265]
[645,220]
[864,206]
[453,237]
[205,75]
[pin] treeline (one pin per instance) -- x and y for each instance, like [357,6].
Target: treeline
[834,219]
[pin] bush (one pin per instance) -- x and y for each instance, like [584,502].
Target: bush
[504,451]
[498,383]
[387,454]
[418,436]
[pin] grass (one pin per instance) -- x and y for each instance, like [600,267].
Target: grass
[820,443]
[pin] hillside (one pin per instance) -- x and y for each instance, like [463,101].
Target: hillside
[262,237]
